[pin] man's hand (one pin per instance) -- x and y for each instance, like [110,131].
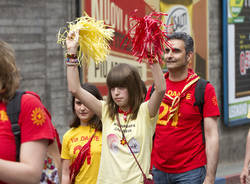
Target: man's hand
[208,180]
[244,179]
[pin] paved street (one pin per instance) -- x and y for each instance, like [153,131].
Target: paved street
[228,173]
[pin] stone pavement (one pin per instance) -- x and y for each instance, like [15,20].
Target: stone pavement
[229,173]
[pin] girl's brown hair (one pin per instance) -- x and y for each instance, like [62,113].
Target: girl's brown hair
[95,122]
[125,75]
[9,75]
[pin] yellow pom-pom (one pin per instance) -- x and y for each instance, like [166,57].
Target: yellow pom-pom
[94,37]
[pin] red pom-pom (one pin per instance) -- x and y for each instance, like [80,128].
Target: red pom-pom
[147,38]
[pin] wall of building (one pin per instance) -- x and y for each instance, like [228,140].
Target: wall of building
[31,28]
[232,139]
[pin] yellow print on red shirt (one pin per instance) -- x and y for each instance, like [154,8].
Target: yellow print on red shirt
[188,96]
[173,93]
[162,119]
[164,110]
[214,101]
[3,116]
[38,116]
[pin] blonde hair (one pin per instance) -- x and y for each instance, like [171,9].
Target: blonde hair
[9,75]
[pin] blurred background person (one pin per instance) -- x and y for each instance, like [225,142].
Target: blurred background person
[36,129]
[245,174]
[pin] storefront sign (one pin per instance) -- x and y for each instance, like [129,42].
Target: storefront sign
[178,16]
[236,61]
[185,16]
[116,13]
[99,72]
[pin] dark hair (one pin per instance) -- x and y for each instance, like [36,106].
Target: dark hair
[186,38]
[95,122]
[9,73]
[144,89]
[125,75]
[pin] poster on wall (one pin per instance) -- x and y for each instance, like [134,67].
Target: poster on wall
[116,14]
[236,61]
[185,16]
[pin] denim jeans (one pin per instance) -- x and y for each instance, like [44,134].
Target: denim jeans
[195,176]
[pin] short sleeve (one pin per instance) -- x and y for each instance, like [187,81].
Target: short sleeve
[104,111]
[145,112]
[34,120]
[211,107]
[148,93]
[65,146]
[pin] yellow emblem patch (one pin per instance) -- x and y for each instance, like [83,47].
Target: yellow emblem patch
[188,96]
[3,116]
[214,100]
[38,116]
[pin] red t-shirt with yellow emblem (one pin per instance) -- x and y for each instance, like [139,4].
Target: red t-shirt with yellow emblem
[178,144]
[34,122]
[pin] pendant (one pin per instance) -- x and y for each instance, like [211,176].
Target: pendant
[123,141]
[125,117]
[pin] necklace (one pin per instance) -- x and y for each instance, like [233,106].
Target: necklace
[123,140]
[125,116]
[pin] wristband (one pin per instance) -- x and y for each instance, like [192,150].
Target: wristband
[152,58]
[71,56]
[70,61]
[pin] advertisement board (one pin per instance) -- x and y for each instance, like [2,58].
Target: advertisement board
[236,61]
[185,16]
[115,13]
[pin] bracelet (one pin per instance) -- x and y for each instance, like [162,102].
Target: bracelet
[71,62]
[71,56]
[152,58]
[152,61]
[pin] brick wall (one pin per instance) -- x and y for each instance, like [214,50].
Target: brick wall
[31,27]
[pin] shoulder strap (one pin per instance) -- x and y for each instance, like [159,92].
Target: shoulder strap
[199,100]
[83,154]
[199,93]
[123,136]
[13,109]
[152,90]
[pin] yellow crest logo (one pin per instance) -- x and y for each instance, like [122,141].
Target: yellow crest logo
[3,116]
[214,100]
[188,96]
[38,116]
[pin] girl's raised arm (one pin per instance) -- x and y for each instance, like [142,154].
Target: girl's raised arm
[160,88]
[74,86]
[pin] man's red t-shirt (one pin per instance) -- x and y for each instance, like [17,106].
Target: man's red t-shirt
[34,122]
[178,144]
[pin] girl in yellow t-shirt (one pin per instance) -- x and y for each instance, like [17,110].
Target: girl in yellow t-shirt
[81,148]
[126,103]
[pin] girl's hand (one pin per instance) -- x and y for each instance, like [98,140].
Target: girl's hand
[72,42]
